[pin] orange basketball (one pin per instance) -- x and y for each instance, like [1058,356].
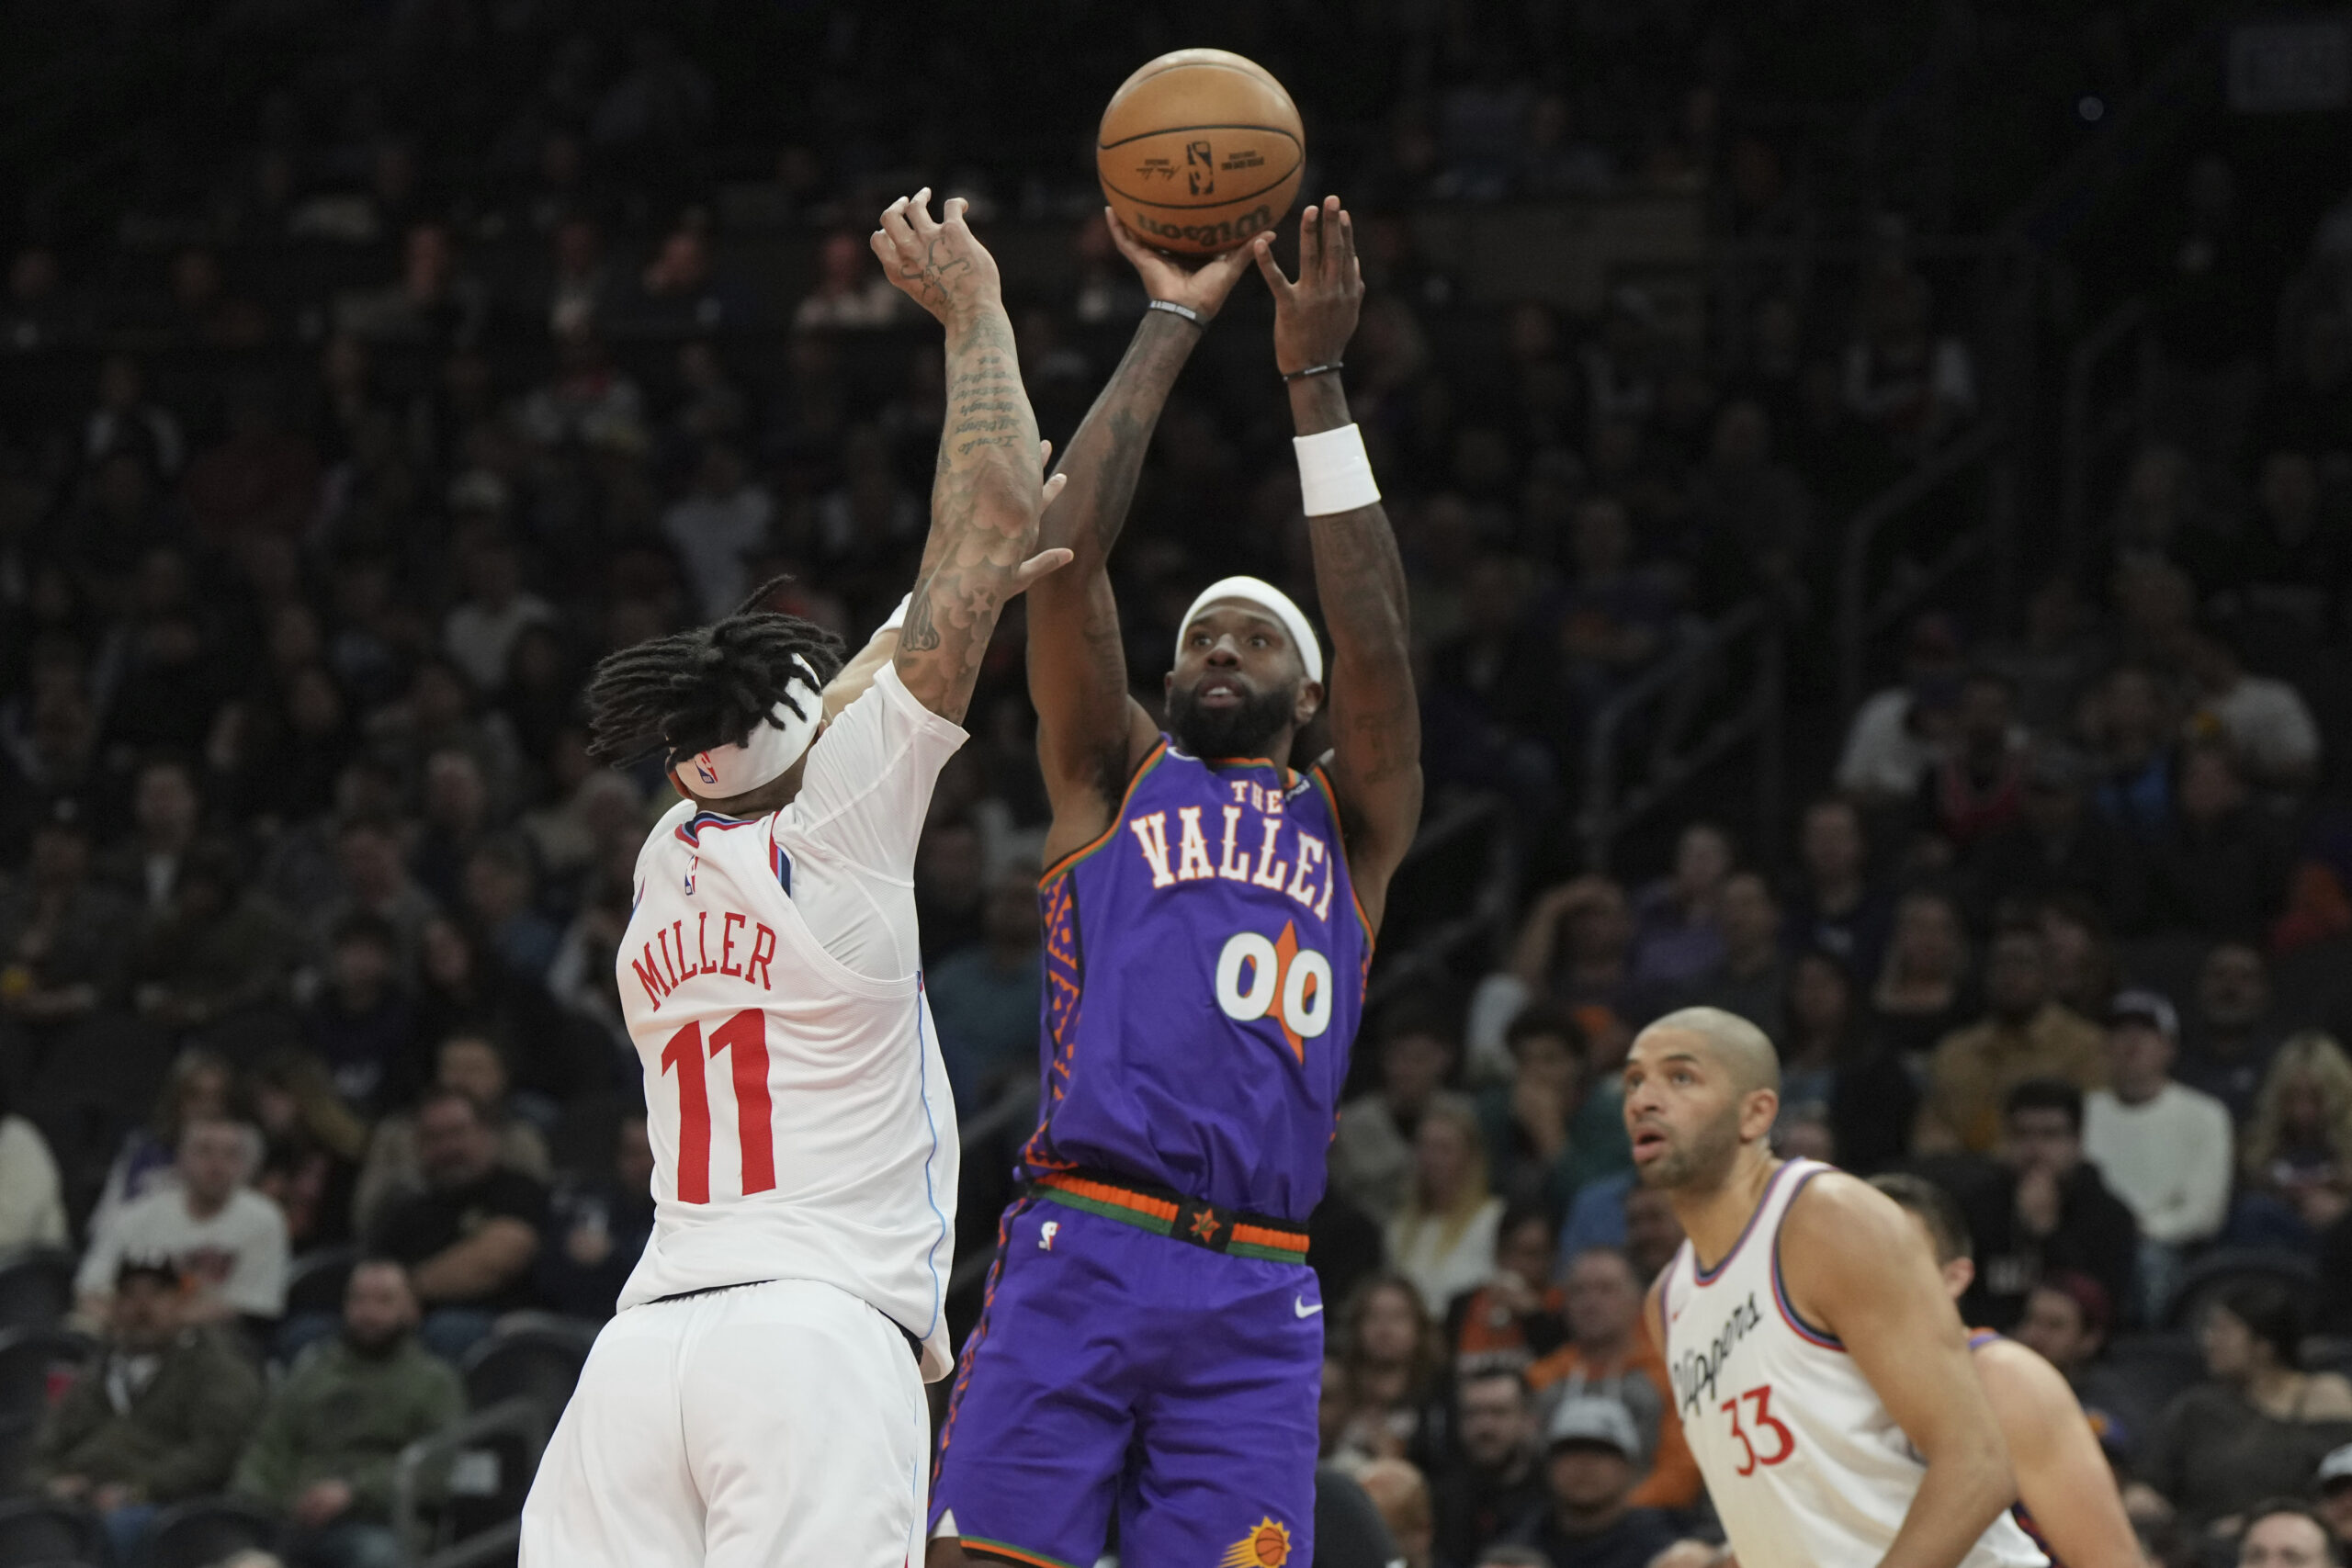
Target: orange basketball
[1200,151]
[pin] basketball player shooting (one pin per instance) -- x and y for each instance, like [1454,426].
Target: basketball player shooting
[1152,1339]
[758,1399]
[1822,1373]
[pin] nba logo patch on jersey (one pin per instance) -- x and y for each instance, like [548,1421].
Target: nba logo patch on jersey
[1046,1233]
[1268,1546]
[703,767]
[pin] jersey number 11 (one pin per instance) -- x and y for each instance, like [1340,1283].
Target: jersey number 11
[744,1038]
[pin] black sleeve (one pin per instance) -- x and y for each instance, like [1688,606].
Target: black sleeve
[513,1196]
[1348,1531]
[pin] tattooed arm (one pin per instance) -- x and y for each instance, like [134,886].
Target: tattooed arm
[985,498]
[1375,719]
[1091,734]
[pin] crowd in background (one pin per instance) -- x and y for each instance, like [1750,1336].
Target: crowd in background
[338,440]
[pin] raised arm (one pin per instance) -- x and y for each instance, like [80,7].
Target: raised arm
[1858,1265]
[1090,733]
[1375,719]
[985,497]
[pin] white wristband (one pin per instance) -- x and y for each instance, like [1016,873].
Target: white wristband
[1334,474]
[898,620]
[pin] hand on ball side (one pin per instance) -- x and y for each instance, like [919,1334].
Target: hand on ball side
[1315,317]
[941,266]
[1201,289]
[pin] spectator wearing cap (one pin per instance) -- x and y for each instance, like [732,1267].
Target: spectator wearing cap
[2027,1034]
[2164,1148]
[2332,1488]
[2046,1210]
[227,1241]
[1592,1452]
[157,1416]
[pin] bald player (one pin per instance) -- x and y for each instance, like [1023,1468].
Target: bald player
[2067,1499]
[1823,1375]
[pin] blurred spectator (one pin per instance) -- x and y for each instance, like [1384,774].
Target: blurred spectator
[1751,979]
[2286,1533]
[2265,722]
[435,303]
[2027,1035]
[260,480]
[1833,1061]
[1443,1238]
[1921,995]
[1591,1455]
[2164,1148]
[2082,964]
[1833,906]
[1677,933]
[1752,515]
[603,1226]
[1609,1354]
[849,292]
[2231,1037]
[1372,1155]
[326,1447]
[501,896]
[227,1241]
[362,1023]
[1652,1233]
[2045,1210]
[311,1144]
[2130,727]
[1494,1478]
[32,1200]
[1895,735]
[985,997]
[717,526]
[374,881]
[2221,866]
[218,951]
[1911,385]
[2333,1485]
[482,628]
[581,289]
[2297,1155]
[1392,1366]
[126,420]
[1977,787]
[165,811]
[1614,615]
[469,1238]
[395,1169]
[156,1418]
[2066,1320]
[1574,948]
[1527,1123]
[2258,1426]
[61,948]
[1402,1494]
[199,1088]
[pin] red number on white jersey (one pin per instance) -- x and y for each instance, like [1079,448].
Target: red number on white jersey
[745,1037]
[1784,1440]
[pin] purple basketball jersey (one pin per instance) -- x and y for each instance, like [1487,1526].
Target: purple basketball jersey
[1205,974]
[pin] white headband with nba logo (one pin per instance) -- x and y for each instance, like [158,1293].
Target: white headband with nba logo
[1260,594]
[767,753]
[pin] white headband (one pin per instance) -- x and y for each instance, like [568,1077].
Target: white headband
[766,754]
[1275,603]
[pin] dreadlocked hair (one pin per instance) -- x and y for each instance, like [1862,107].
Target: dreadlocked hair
[694,690]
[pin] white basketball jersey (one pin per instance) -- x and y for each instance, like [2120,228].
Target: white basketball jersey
[1805,1467]
[799,1113]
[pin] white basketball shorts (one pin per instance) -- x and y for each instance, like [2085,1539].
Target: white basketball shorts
[765,1425]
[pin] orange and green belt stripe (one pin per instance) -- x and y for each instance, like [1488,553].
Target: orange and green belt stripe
[1189,1220]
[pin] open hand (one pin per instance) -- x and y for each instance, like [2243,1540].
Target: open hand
[1315,317]
[938,265]
[1201,289]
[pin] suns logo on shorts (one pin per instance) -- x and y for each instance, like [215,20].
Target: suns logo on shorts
[1268,1546]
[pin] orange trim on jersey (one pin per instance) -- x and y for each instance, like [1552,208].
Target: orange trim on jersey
[1159,1209]
[1280,1241]
[1118,817]
[1339,828]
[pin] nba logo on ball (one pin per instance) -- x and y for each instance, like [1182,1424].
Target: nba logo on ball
[702,766]
[1213,114]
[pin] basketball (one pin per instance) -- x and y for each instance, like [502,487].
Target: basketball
[1200,151]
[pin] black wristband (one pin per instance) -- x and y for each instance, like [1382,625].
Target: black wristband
[1184,313]
[1332,369]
